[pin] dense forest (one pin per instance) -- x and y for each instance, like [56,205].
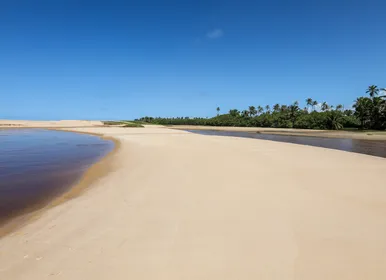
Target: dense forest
[368,112]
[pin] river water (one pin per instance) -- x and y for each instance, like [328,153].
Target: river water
[368,147]
[38,165]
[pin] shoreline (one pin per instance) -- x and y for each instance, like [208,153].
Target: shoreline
[175,209]
[370,135]
[94,172]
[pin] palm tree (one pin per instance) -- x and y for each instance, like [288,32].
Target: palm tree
[267,108]
[325,107]
[294,112]
[252,111]
[260,109]
[334,120]
[362,108]
[245,114]
[372,91]
[309,102]
[348,112]
[314,103]
[276,107]
[377,111]
[283,108]
[339,107]
[218,110]
[234,113]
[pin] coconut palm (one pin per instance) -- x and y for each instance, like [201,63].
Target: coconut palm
[268,109]
[218,110]
[362,108]
[309,102]
[325,107]
[334,120]
[293,112]
[314,103]
[283,108]
[245,114]
[276,107]
[234,112]
[339,107]
[348,112]
[252,111]
[260,109]
[372,91]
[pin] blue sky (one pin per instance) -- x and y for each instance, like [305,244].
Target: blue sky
[74,59]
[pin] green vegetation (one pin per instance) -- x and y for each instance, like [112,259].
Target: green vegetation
[123,123]
[111,123]
[367,113]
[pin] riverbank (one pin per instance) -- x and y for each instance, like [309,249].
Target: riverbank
[177,205]
[76,181]
[365,135]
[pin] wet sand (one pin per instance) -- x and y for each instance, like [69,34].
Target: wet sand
[177,205]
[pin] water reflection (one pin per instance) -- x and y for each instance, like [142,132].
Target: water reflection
[369,147]
[37,165]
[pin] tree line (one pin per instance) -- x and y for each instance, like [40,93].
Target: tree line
[368,112]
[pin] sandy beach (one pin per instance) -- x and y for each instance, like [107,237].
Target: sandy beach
[48,124]
[169,204]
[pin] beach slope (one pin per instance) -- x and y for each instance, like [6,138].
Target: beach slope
[177,205]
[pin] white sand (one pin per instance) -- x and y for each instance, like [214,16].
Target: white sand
[62,123]
[184,206]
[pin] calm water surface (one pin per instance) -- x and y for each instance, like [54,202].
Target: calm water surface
[369,147]
[38,165]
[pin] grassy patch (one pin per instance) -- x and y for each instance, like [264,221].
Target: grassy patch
[111,122]
[123,123]
[133,125]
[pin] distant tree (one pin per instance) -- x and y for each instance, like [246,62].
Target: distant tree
[314,103]
[367,112]
[377,113]
[309,102]
[245,114]
[334,120]
[234,113]
[325,107]
[362,108]
[252,111]
[372,90]
[293,112]
[339,107]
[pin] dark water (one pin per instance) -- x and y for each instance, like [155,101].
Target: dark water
[368,147]
[38,165]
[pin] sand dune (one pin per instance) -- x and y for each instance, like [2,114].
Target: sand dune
[62,123]
[177,205]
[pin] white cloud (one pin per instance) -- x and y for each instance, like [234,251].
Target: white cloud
[215,33]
